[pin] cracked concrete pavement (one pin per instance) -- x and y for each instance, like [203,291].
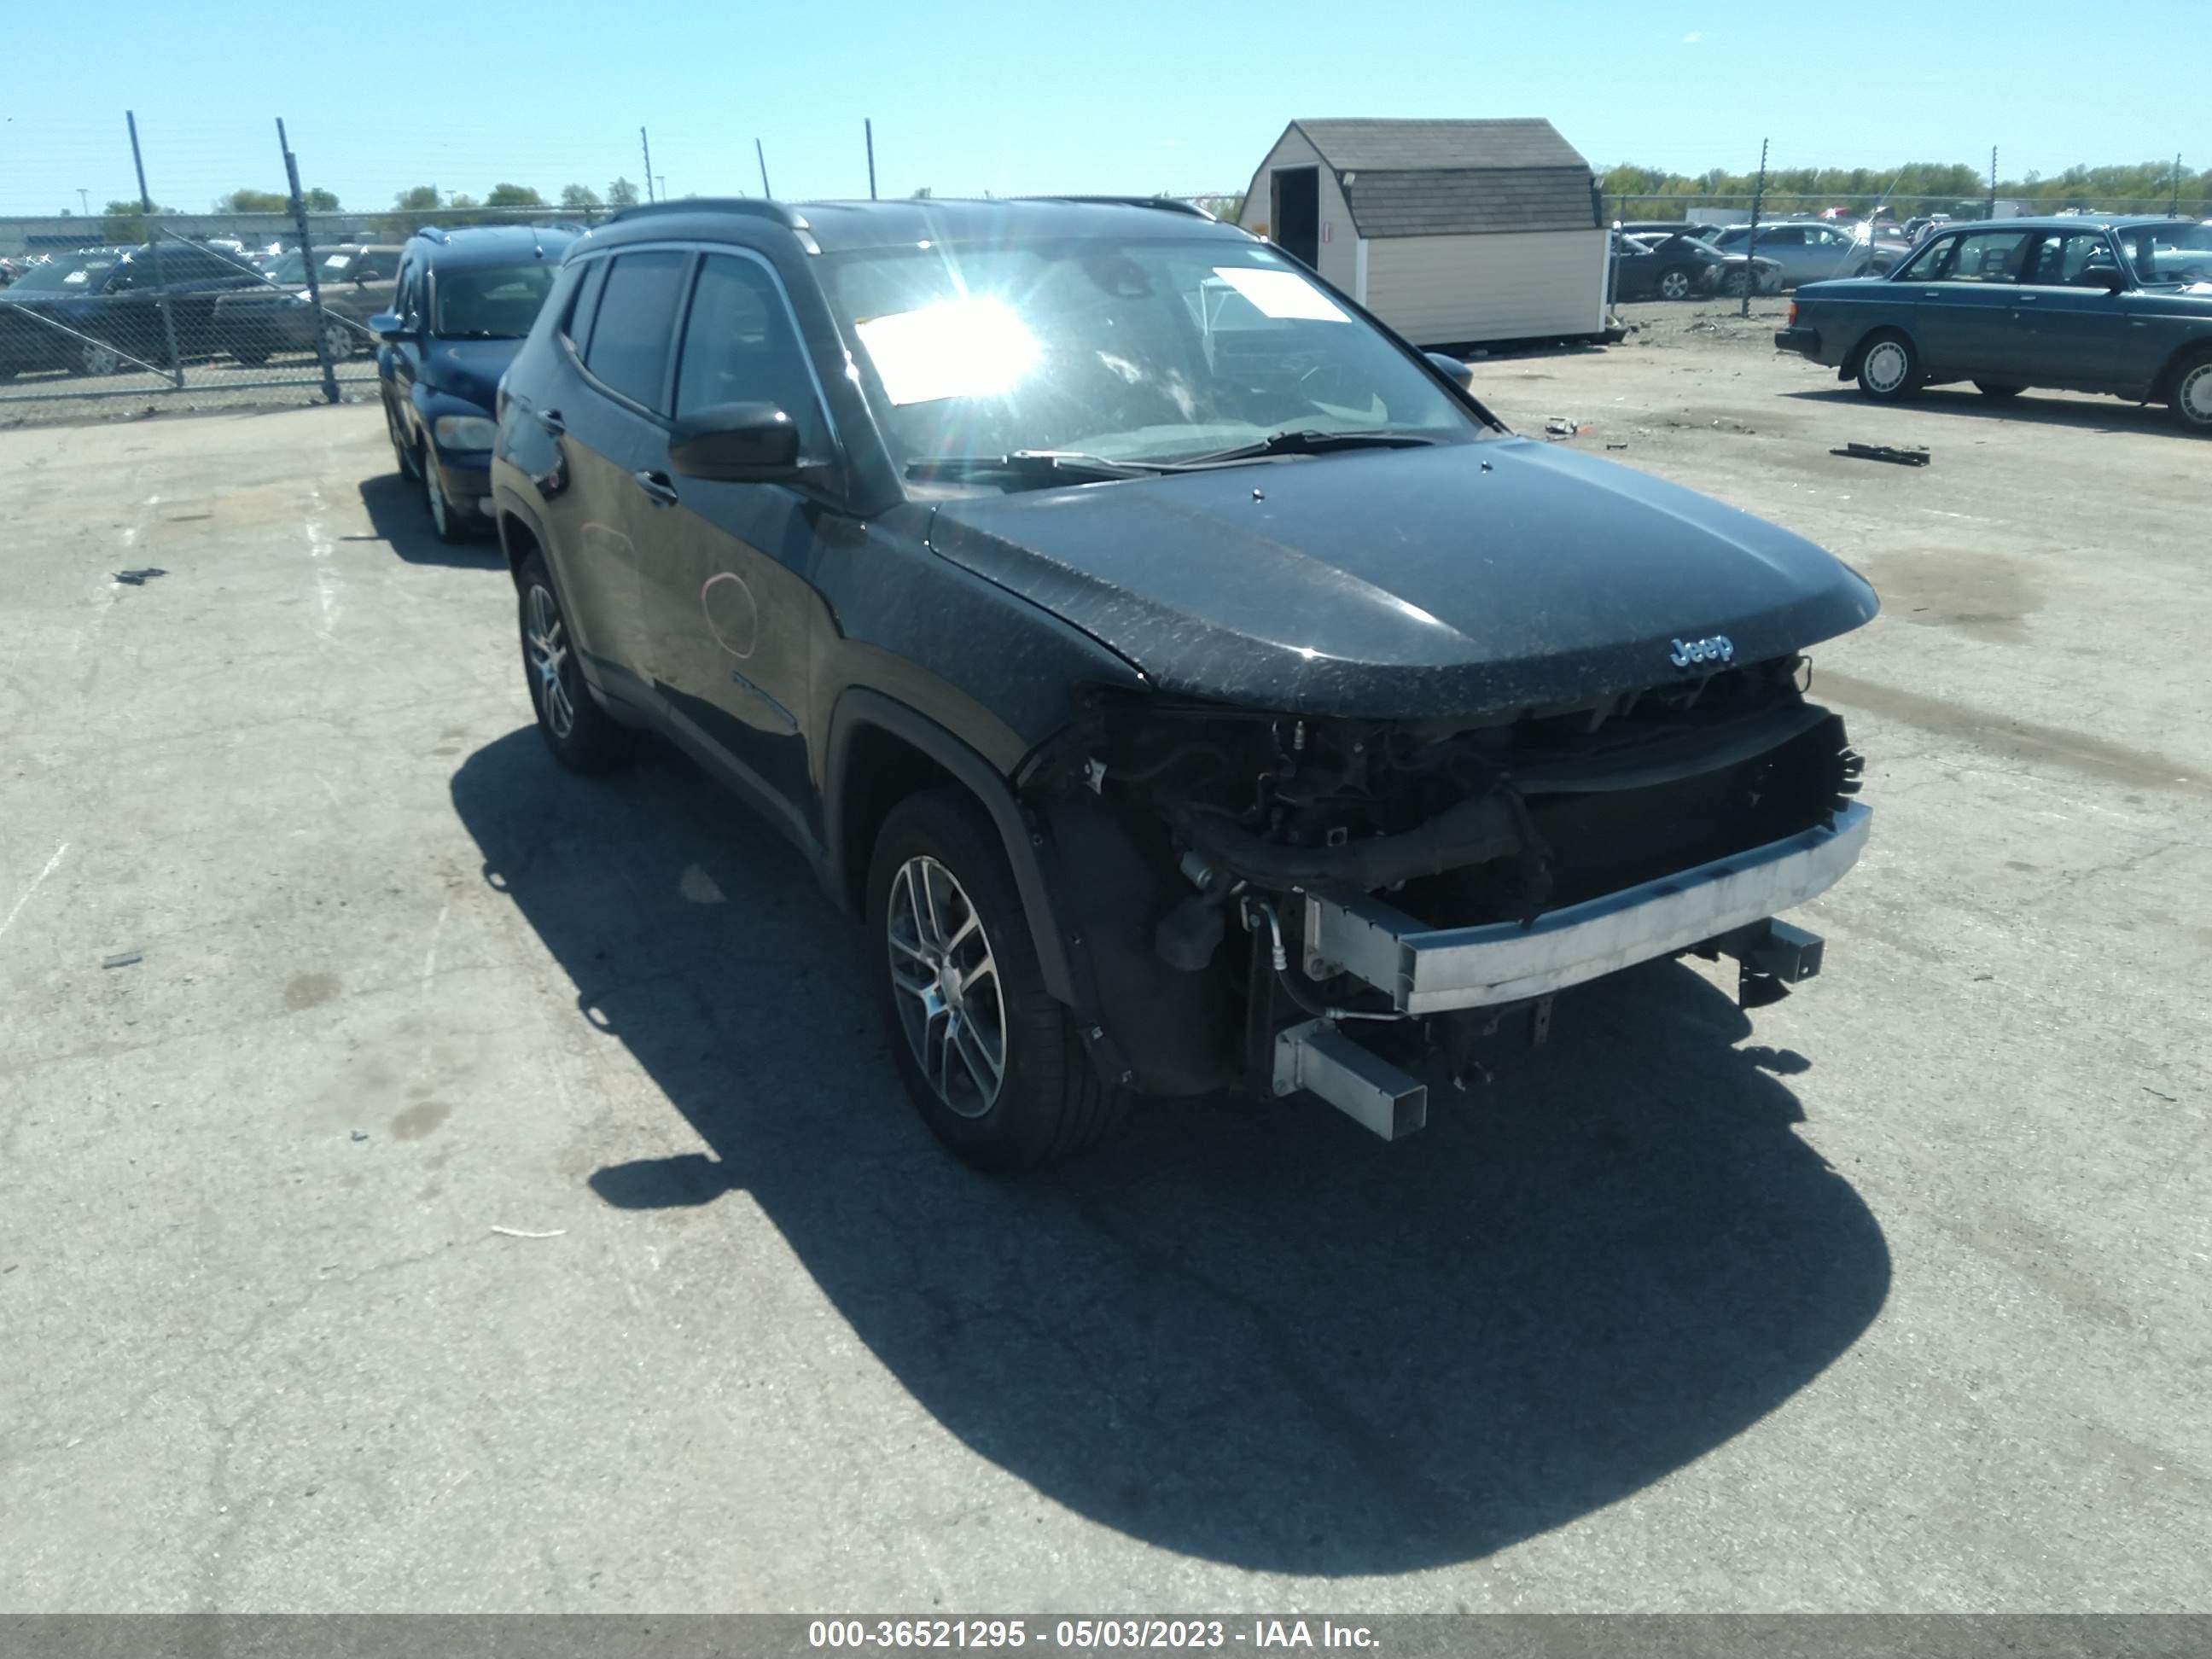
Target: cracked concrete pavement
[1891,1295]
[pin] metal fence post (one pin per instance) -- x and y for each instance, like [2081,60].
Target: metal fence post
[307,262]
[154,241]
[1751,237]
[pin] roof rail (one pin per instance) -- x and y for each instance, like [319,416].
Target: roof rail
[776,212]
[1163,203]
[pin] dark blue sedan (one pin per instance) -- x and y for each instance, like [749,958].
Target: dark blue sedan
[2116,306]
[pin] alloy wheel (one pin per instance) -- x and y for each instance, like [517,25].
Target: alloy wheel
[337,340]
[2192,396]
[946,982]
[548,644]
[1886,366]
[101,359]
[1674,285]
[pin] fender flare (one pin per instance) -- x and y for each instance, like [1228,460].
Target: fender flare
[1022,836]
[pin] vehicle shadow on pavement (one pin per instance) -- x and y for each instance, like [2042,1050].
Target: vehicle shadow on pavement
[2030,408]
[398,514]
[1251,1334]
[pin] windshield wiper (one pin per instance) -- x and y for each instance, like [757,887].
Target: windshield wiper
[1044,465]
[1308,440]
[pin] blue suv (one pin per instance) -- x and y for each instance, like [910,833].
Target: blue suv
[462,303]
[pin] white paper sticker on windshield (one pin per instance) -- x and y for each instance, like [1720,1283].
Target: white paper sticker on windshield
[964,348]
[1282,294]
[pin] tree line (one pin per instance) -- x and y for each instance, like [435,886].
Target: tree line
[2144,186]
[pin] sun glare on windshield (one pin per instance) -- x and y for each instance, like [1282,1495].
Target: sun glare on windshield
[971,347]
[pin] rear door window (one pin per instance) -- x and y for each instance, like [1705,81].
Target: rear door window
[628,352]
[1982,255]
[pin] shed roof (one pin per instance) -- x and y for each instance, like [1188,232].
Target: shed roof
[1456,178]
[1521,142]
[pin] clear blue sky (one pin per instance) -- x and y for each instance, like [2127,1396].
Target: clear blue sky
[1018,98]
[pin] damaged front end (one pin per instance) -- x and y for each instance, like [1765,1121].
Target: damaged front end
[1257,887]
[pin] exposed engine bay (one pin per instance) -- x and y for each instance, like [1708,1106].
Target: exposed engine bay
[1251,821]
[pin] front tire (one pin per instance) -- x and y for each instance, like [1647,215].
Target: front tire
[443,522]
[2191,400]
[583,737]
[1889,368]
[98,358]
[338,340]
[994,1064]
[1675,284]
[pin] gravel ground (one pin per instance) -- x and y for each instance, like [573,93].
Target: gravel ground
[477,1189]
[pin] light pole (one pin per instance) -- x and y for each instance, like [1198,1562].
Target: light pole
[84,198]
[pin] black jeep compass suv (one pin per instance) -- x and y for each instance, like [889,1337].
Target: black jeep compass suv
[1192,684]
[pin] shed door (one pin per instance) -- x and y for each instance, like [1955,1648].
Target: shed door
[1296,218]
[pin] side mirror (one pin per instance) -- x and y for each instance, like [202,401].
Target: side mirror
[1459,374]
[735,443]
[2110,280]
[387,326]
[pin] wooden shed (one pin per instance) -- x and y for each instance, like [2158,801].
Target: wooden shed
[1454,232]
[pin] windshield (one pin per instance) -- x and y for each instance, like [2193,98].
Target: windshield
[292,267]
[76,275]
[1129,350]
[2167,253]
[489,303]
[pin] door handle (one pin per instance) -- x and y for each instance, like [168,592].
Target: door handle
[657,488]
[2023,299]
[550,420]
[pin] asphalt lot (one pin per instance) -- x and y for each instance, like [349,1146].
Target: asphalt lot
[1893,1296]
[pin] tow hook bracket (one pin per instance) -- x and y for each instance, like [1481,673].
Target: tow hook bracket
[1363,1085]
[1772,957]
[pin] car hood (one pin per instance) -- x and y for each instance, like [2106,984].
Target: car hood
[1410,582]
[467,368]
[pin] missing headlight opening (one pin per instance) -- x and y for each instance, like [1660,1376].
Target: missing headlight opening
[1269,831]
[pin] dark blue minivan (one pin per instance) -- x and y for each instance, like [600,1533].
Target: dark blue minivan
[462,305]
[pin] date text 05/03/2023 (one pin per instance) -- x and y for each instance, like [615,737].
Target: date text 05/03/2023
[1089,1635]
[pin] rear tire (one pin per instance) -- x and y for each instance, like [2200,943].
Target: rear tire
[583,737]
[1888,368]
[2190,401]
[994,1064]
[1996,391]
[1676,284]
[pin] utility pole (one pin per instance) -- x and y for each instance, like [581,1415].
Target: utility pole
[646,144]
[84,198]
[1993,183]
[153,240]
[869,128]
[763,155]
[1750,241]
[2174,208]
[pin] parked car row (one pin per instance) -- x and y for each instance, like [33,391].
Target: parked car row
[101,311]
[2119,305]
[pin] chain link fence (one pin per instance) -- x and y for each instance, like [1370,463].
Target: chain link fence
[133,303]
